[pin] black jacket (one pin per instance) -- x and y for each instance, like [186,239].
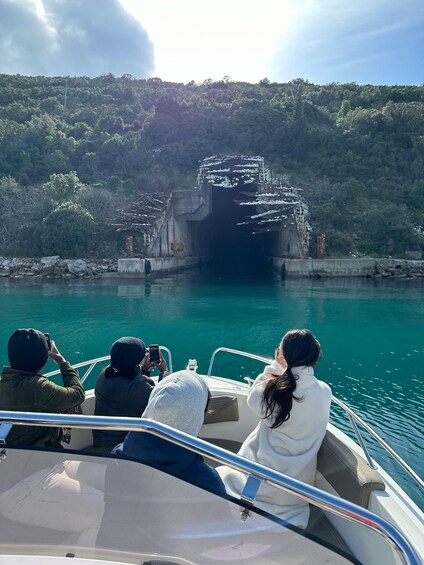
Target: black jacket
[119,395]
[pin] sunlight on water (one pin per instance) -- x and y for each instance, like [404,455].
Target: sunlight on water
[371,334]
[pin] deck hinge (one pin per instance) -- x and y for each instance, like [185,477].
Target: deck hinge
[192,365]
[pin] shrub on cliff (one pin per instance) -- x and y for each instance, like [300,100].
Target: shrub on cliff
[66,231]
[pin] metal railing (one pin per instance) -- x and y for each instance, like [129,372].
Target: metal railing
[93,362]
[353,417]
[307,493]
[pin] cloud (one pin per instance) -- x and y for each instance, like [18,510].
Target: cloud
[378,42]
[72,37]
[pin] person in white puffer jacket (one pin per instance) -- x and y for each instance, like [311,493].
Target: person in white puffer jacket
[293,407]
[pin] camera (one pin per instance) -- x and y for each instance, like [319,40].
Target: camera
[154,353]
[49,343]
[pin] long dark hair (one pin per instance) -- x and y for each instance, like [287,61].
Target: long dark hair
[300,348]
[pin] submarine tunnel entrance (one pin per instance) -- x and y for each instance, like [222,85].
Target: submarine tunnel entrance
[229,236]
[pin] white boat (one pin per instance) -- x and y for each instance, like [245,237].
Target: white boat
[57,505]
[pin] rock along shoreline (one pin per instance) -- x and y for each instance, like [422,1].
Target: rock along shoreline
[56,268]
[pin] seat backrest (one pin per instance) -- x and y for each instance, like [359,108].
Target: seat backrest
[349,475]
[222,409]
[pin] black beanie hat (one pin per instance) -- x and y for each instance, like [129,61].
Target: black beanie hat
[27,350]
[126,353]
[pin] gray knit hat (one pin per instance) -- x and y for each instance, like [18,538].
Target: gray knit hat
[179,401]
[27,350]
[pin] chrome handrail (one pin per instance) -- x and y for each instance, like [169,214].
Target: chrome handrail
[91,362]
[351,414]
[381,441]
[353,418]
[236,352]
[305,492]
[94,362]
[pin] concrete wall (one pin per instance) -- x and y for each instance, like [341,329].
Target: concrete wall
[329,267]
[196,203]
[142,267]
[131,266]
[174,238]
[363,267]
[159,264]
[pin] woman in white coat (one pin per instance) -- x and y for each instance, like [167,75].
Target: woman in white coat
[293,407]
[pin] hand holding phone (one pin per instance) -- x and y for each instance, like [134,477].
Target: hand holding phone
[48,340]
[55,354]
[154,360]
[154,354]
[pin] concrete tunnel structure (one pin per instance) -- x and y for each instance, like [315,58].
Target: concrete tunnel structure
[236,212]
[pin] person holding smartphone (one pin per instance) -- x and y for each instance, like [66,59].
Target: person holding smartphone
[123,388]
[23,389]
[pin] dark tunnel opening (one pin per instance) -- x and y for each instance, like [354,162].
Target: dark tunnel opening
[227,236]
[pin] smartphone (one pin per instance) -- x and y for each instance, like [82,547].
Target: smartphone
[49,343]
[154,353]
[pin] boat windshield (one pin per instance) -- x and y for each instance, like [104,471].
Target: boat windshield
[73,504]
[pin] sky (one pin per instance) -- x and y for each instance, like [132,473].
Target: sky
[323,41]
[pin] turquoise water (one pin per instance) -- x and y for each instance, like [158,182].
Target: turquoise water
[371,333]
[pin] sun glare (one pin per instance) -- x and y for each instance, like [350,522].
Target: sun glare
[196,42]
[43,16]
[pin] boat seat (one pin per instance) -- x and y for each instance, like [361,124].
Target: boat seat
[347,473]
[318,526]
[222,408]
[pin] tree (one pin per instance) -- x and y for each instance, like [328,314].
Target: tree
[100,203]
[66,231]
[62,186]
[57,161]
[10,197]
[387,230]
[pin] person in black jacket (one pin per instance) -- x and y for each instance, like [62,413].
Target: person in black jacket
[124,387]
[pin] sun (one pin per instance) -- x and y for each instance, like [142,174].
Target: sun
[193,41]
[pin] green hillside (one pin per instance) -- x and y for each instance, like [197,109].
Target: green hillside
[75,150]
